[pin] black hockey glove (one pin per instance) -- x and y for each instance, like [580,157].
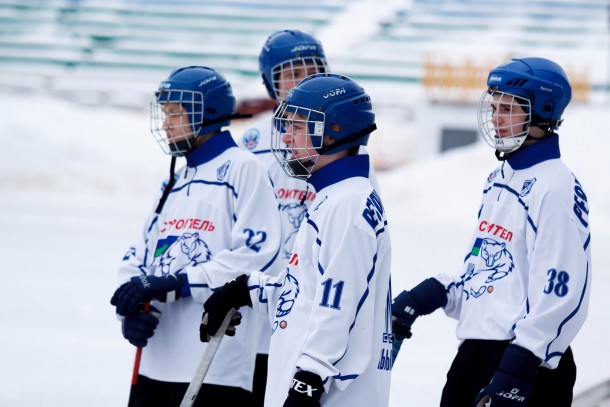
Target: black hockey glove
[305,391]
[511,384]
[140,327]
[129,297]
[234,294]
[423,299]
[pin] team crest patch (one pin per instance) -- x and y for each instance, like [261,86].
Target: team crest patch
[251,139]
[221,172]
[527,187]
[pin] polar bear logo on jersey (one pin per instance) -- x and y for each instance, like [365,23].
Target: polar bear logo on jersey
[290,292]
[296,214]
[497,259]
[187,250]
[498,264]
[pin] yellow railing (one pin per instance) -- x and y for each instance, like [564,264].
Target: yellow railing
[447,81]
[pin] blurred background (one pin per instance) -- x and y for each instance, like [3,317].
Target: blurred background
[78,167]
[407,53]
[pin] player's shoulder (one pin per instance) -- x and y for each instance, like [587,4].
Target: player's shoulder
[552,176]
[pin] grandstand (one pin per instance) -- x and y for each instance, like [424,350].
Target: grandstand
[406,53]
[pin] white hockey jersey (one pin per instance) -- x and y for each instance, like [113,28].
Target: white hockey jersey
[219,221]
[330,309]
[527,274]
[289,191]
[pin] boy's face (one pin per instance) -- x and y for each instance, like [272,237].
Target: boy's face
[176,123]
[293,72]
[509,116]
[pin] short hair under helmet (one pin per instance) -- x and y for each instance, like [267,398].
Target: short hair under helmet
[321,105]
[539,85]
[205,95]
[292,47]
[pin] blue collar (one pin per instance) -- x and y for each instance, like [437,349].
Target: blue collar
[210,149]
[336,171]
[545,149]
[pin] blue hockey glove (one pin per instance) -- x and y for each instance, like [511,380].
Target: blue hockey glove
[423,299]
[139,328]
[511,384]
[234,294]
[129,297]
[305,391]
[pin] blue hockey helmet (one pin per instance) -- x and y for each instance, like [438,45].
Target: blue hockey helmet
[539,86]
[207,99]
[541,81]
[290,50]
[320,105]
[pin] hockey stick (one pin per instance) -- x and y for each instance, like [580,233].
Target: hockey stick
[136,369]
[206,360]
[483,403]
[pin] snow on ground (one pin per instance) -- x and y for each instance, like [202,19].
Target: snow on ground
[76,184]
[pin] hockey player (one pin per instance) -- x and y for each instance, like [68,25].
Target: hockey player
[287,57]
[329,308]
[522,293]
[216,219]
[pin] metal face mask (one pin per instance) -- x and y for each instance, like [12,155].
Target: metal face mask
[297,134]
[176,117]
[504,120]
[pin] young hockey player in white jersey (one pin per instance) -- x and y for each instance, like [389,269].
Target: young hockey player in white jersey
[216,219]
[522,293]
[330,308]
[287,57]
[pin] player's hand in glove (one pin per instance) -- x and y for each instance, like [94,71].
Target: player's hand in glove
[234,294]
[511,384]
[305,391]
[129,297]
[423,299]
[205,336]
[140,327]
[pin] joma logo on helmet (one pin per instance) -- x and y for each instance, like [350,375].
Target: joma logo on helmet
[334,92]
[304,48]
[206,81]
[495,78]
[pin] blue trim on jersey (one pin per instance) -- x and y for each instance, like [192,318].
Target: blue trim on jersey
[266,266]
[519,200]
[342,169]
[346,377]
[549,356]
[211,149]
[543,150]
[220,184]
[587,242]
[366,292]
[320,269]
[261,291]
[262,152]
[380,231]
[311,222]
